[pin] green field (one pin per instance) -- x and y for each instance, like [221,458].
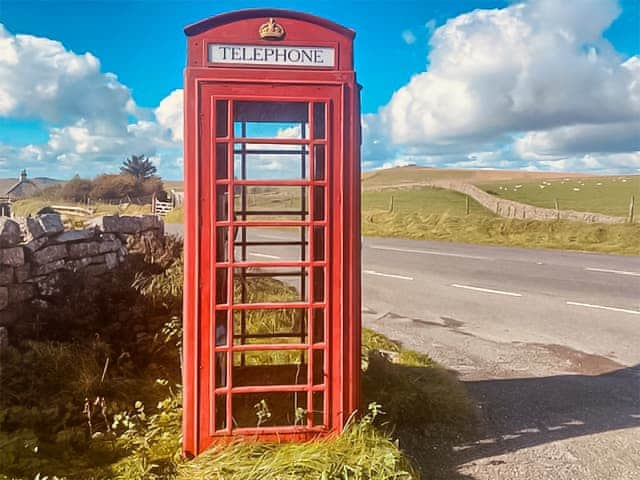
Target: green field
[424,201]
[609,195]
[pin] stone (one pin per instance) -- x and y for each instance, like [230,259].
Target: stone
[4,338]
[31,228]
[4,297]
[19,293]
[36,244]
[88,249]
[6,275]
[110,246]
[80,264]
[22,273]
[96,270]
[111,260]
[8,317]
[48,268]
[49,285]
[12,257]
[130,225]
[9,232]
[51,223]
[50,254]
[109,223]
[150,222]
[76,235]
[109,237]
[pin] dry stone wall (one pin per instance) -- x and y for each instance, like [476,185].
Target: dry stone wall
[36,251]
[511,209]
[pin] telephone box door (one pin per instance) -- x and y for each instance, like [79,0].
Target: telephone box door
[270,259]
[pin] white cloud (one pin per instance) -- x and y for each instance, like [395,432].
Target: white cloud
[40,79]
[408,37]
[92,118]
[539,70]
[169,114]
[431,26]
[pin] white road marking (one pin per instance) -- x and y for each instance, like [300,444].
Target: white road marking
[428,252]
[264,255]
[487,290]
[390,275]
[603,307]
[619,272]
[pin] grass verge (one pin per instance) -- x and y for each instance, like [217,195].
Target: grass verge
[95,396]
[591,237]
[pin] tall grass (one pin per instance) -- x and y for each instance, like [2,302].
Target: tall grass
[617,238]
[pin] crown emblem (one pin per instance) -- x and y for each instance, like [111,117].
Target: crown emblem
[271,30]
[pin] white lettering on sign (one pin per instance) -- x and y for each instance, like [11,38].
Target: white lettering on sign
[272,55]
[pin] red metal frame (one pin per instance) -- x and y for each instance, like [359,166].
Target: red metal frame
[338,91]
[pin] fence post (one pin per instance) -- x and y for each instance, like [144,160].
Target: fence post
[467,204]
[391,204]
[632,208]
[557,208]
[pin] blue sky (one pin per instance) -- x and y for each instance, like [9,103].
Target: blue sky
[537,85]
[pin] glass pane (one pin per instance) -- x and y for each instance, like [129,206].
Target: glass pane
[318,367]
[222,107]
[270,326]
[270,285]
[273,112]
[221,412]
[271,203]
[221,161]
[221,283]
[221,328]
[222,203]
[318,408]
[268,367]
[222,251]
[318,284]
[221,369]
[269,409]
[318,243]
[270,161]
[318,203]
[319,120]
[319,162]
[266,129]
[318,325]
[265,244]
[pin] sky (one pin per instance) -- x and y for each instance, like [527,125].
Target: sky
[543,85]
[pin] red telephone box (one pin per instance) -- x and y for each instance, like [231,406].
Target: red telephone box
[272,228]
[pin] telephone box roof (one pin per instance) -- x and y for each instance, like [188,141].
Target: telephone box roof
[217,20]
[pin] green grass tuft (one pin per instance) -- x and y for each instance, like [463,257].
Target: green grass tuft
[360,452]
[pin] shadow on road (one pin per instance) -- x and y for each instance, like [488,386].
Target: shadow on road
[525,412]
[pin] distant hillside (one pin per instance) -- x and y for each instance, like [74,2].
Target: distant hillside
[408,175]
[42,182]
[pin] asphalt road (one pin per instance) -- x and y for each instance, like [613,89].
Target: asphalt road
[547,343]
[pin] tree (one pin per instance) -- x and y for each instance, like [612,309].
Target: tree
[76,189]
[139,167]
[114,187]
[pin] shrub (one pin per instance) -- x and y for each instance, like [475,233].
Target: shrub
[113,187]
[77,189]
[150,186]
